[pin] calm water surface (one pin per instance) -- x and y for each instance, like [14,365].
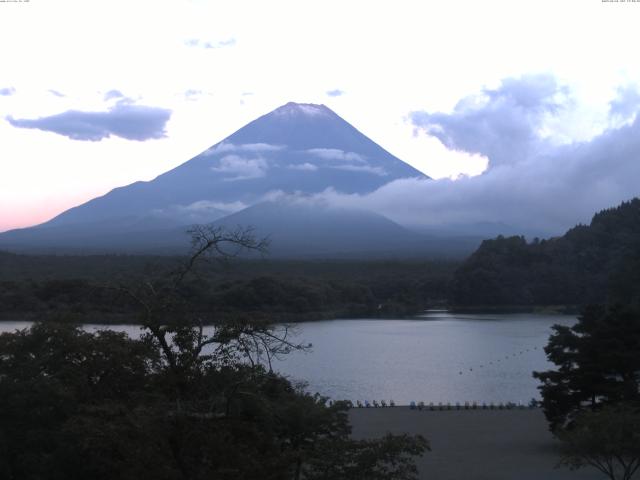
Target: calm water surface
[437,357]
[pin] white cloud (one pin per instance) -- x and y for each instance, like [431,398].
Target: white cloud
[207,205]
[225,147]
[336,154]
[210,44]
[241,168]
[204,205]
[201,211]
[362,168]
[305,167]
[349,161]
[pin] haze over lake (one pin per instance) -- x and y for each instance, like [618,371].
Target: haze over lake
[437,357]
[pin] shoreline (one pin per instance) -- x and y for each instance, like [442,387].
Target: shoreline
[129,318]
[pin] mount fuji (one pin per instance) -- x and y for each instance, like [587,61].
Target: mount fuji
[297,149]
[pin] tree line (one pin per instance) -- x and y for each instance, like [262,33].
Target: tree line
[60,288]
[595,263]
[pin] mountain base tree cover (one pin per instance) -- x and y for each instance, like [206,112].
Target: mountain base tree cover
[71,288]
[177,403]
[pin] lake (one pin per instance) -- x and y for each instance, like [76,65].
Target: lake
[435,357]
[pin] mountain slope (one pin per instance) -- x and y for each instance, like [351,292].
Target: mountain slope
[304,229]
[296,148]
[300,149]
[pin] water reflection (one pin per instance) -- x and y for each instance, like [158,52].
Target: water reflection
[437,357]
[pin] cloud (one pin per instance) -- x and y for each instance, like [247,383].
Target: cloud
[535,186]
[7,91]
[230,42]
[348,161]
[362,168]
[226,147]
[111,94]
[132,122]
[56,93]
[336,154]
[192,94]
[195,42]
[201,211]
[241,168]
[626,104]
[227,207]
[305,167]
[208,206]
[504,124]
[335,93]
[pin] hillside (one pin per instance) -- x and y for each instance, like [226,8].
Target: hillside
[589,264]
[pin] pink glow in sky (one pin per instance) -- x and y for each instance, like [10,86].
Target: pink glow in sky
[216,67]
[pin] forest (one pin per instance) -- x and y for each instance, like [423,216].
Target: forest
[87,289]
[595,263]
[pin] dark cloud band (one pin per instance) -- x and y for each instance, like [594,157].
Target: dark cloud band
[133,122]
[533,185]
[501,124]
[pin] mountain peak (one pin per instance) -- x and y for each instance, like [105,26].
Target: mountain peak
[298,147]
[293,109]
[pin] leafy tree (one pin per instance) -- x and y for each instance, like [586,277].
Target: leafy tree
[180,403]
[598,363]
[607,439]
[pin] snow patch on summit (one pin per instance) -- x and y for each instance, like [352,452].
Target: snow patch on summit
[307,109]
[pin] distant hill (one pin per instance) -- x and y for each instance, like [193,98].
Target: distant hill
[589,264]
[301,229]
[295,229]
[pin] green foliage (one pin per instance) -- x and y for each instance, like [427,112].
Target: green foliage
[51,373]
[595,263]
[598,363]
[77,405]
[73,288]
[389,457]
[607,439]
[177,403]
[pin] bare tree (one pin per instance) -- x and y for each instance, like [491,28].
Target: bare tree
[170,322]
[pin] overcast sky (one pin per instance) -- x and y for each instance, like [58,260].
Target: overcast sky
[542,94]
